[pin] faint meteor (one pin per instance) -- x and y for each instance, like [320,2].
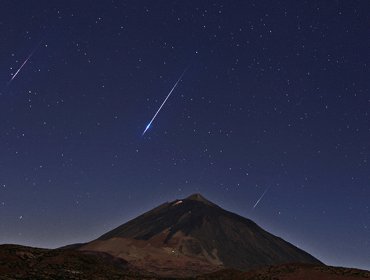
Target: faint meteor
[160,107]
[23,64]
[258,201]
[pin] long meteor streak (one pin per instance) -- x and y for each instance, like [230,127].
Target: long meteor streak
[23,64]
[160,107]
[258,201]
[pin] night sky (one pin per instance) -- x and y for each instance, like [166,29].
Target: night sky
[276,99]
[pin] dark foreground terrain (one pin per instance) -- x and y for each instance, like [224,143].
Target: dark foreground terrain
[20,262]
[291,272]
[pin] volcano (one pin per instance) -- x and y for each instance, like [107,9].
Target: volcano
[191,236]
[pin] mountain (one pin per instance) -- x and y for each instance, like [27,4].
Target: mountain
[193,236]
[191,239]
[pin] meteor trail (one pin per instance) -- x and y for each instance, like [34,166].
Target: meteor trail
[160,107]
[258,201]
[24,63]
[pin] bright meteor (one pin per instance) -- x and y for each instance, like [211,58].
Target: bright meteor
[258,201]
[160,107]
[23,64]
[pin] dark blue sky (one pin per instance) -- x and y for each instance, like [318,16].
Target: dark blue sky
[276,96]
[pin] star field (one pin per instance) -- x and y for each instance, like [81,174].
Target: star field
[276,96]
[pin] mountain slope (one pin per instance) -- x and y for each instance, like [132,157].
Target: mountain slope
[192,236]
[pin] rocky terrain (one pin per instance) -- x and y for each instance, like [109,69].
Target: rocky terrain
[20,262]
[290,272]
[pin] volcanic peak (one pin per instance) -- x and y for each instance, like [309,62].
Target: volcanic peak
[198,197]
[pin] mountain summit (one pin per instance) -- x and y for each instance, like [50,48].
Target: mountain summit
[200,198]
[190,236]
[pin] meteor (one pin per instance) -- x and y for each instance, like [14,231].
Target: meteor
[160,107]
[258,201]
[23,64]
